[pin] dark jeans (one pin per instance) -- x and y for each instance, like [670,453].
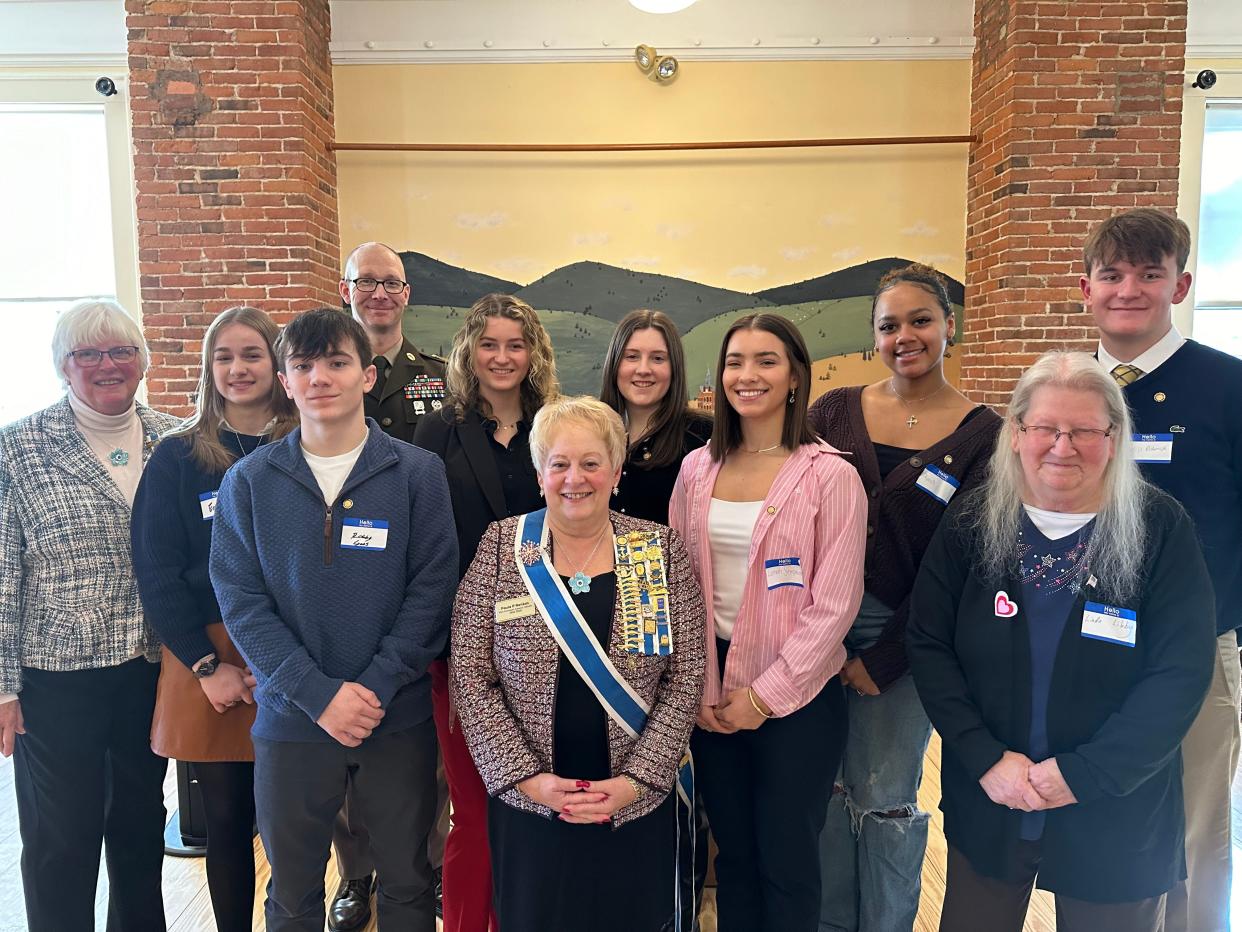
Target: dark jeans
[227,788]
[299,788]
[973,901]
[85,774]
[766,793]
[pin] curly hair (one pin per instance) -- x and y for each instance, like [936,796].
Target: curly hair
[916,273]
[540,385]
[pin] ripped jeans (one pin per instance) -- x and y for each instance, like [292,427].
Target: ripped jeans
[871,848]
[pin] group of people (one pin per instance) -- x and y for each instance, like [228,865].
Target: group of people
[614,621]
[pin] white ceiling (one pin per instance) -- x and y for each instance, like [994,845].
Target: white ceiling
[49,32]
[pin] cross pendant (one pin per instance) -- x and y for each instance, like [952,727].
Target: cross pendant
[911,421]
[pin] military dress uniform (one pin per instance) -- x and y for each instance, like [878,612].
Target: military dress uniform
[414,386]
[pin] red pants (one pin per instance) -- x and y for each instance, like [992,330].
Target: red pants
[467,861]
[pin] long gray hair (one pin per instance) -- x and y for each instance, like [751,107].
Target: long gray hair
[1115,551]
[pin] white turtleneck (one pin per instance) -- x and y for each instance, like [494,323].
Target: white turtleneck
[106,433]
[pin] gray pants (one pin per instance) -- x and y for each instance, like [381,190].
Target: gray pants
[299,788]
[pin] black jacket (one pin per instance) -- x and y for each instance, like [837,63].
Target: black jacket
[1116,714]
[413,388]
[474,481]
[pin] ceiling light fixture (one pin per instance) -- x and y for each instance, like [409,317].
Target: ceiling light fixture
[661,6]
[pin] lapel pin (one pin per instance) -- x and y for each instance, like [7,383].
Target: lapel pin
[1160,396]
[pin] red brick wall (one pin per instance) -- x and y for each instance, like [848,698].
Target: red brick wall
[1077,107]
[236,190]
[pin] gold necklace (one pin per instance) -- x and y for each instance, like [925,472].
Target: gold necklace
[912,420]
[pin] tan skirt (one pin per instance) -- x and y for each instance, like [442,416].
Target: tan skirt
[186,726]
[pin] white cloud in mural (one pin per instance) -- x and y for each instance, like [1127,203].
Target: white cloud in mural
[516,265]
[747,271]
[833,220]
[797,253]
[362,225]
[920,228]
[497,218]
[937,259]
[591,239]
[674,230]
[848,254]
[641,262]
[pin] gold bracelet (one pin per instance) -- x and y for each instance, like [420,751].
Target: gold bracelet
[635,785]
[750,694]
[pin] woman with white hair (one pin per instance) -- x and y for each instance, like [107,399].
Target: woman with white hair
[577,669]
[78,662]
[1061,638]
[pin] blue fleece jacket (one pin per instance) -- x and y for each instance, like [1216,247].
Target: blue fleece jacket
[310,614]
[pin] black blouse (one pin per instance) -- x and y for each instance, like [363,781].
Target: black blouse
[645,492]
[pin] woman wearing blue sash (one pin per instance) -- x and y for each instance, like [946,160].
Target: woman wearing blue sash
[916,443]
[577,672]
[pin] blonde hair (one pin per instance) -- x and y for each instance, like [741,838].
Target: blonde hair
[202,427]
[92,321]
[1115,550]
[581,411]
[540,385]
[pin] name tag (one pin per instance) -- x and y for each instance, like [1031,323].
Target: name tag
[1109,623]
[783,571]
[207,504]
[938,484]
[361,534]
[1153,448]
[512,609]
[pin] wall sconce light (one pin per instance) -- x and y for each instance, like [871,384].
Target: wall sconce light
[659,68]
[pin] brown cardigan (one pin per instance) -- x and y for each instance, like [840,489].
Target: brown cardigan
[504,676]
[901,517]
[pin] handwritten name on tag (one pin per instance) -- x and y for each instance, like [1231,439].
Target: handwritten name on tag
[938,484]
[783,571]
[1153,448]
[512,609]
[1109,623]
[207,504]
[364,534]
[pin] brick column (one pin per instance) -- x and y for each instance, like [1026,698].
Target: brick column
[1077,107]
[236,191]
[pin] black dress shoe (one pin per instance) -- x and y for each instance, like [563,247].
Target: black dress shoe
[351,907]
[440,893]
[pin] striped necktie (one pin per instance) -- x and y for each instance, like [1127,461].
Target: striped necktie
[1124,374]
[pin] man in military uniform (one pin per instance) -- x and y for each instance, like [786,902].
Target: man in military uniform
[408,384]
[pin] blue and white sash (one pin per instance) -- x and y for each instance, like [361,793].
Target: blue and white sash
[588,656]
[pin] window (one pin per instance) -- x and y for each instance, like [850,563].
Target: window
[1218,285]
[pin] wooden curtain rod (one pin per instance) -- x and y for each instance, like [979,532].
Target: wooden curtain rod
[643,146]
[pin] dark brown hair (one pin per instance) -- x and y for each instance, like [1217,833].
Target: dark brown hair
[727,427]
[1142,235]
[668,425]
[924,276]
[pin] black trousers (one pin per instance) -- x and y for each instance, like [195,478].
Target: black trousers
[766,793]
[227,788]
[299,788]
[85,774]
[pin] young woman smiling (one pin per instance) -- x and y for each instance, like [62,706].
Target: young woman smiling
[645,382]
[775,521]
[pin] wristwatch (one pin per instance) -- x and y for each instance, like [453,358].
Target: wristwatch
[205,667]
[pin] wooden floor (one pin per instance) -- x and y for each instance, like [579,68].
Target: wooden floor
[188,908]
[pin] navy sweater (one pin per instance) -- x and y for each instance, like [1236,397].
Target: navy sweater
[172,538]
[309,614]
[1200,392]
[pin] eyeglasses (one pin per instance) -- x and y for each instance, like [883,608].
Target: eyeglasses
[391,285]
[90,358]
[1080,438]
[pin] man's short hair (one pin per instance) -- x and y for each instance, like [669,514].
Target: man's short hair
[1142,236]
[318,333]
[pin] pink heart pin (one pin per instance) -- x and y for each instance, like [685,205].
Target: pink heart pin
[1004,607]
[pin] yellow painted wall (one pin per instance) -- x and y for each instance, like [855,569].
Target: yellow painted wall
[739,220]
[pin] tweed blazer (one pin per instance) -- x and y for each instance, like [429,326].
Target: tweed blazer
[68,597]
[504,676]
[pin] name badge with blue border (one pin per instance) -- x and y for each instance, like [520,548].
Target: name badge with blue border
[1109,623]
[363,534]
[783,571]
[1153,448]
[207,504]
[938,484]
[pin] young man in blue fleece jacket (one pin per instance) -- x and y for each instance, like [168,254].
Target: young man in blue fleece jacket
[334,559]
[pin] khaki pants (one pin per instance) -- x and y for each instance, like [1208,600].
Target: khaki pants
[1209,757]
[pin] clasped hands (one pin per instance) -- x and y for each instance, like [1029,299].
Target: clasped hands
[352,715]
[740,710]
[580,802]
[1018,782]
